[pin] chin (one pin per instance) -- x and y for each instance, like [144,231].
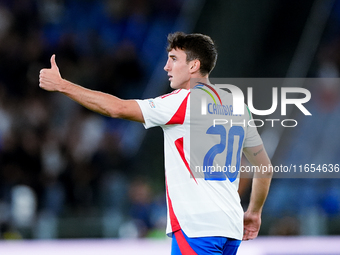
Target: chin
[178,85]
[173,86]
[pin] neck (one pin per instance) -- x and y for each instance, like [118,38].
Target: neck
[201,79]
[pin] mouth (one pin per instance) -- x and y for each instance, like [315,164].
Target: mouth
[170,77]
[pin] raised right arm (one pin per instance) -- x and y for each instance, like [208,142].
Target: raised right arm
[103,103]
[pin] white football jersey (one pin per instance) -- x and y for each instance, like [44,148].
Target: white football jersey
[200,202]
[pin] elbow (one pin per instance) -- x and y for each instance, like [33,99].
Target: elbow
[115,110]
[116,113]
[119,111]
[125,109]
[265,172]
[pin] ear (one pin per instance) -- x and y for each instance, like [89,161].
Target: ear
[194,66]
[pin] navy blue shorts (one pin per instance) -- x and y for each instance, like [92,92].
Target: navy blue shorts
[184,245]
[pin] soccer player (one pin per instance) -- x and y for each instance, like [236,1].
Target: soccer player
[204,212]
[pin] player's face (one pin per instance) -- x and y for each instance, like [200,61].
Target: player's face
[178,69]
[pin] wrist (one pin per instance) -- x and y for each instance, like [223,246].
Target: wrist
[252,210]
[63,86]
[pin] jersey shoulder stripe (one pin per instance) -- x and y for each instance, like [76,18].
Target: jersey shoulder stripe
[179,116]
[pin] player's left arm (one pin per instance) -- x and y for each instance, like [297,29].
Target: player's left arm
[257,156]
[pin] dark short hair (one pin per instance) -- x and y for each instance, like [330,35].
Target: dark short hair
[196,46]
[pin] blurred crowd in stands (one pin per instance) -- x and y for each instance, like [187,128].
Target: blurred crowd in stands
[69,158]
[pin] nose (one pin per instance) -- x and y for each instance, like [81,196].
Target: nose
[167,66]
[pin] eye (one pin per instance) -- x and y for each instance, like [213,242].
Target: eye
[173,58]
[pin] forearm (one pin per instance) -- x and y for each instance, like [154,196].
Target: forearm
[259,194]
[257,156]
[100,102]
[93,100]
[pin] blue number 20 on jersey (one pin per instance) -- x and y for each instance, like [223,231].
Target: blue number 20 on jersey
[227,142]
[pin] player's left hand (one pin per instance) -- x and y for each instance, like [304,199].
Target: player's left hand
[252,223]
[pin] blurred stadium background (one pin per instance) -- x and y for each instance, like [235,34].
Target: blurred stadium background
[67,173]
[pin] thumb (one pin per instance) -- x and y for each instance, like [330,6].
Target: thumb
[53,63]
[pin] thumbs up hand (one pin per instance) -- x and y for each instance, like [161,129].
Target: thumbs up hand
[53,63]
[50,78]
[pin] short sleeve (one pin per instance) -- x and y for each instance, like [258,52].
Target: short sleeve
[166,109]
[252,138]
